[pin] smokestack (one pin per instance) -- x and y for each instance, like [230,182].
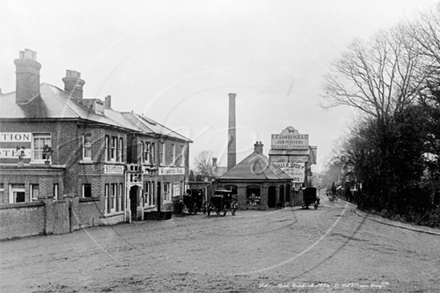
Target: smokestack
[28,76]
[232,157]
[73,84]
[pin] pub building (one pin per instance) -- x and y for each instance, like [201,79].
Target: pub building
[66,161]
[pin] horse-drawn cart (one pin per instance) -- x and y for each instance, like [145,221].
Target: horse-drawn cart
[191,202]
[221,202]
[310,198]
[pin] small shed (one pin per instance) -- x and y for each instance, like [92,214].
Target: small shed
[256,182]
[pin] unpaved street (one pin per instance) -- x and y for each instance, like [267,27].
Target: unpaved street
[331,249]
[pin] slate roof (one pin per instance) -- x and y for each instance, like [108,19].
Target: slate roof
[54,103]
[256,166]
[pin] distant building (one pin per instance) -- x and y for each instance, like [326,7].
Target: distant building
[68,162]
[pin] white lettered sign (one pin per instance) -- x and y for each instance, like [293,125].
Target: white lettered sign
[113,169]
[171,171]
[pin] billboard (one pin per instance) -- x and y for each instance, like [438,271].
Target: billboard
[290,139]
[295,170]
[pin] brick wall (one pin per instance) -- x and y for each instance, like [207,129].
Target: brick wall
[88,213]
[22,220]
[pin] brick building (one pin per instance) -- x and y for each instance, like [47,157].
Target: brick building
[257,182]
[78,162]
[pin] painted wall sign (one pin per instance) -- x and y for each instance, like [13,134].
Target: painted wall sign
[289,159]
[113,169]
[296,171]
[290,138]
[171,171]
[15,136]
[12,154]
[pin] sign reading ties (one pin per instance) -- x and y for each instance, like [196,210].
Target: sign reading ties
[113,169]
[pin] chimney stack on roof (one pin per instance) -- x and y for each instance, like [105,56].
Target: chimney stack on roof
[258,147]
[73,84]
[232,144]
[27,76]
[108,102]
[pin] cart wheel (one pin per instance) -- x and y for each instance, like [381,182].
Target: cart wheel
[195,209]
[208,209]
[225,208]
[234,208]
[217,210]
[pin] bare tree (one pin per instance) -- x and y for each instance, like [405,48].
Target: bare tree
[426,31]
[376,77]
[203,164]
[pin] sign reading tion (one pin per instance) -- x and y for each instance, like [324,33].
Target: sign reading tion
[15,137]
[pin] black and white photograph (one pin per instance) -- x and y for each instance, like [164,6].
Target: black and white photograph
[219,146]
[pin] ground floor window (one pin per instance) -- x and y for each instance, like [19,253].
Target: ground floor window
[152,197]
[16,193]
[166,191]
[87,190]
[2,192]
[253,195]
[147,194]
[121,196]
[35,190]
[55,191]
[113,198]
[106,200]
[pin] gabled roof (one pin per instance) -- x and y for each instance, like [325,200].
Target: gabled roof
[54,103]
[256,166]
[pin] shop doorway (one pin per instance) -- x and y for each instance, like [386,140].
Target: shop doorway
[272,197]
[134,202]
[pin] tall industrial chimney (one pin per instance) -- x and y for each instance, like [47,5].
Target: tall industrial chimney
[232,148]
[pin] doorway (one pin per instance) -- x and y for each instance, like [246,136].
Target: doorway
[133,202]
[272,197]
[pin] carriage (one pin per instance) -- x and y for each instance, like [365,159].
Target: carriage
[192,202]
[310,198]
[221,202]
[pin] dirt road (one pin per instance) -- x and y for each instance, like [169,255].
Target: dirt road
[331,249]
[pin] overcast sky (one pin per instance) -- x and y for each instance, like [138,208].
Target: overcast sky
[176,61]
